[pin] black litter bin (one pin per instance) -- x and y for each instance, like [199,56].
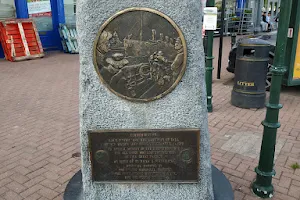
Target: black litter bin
[251,68]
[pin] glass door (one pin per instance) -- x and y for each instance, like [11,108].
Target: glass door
[44,13]
[70,12]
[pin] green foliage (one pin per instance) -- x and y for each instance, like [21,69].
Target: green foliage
[235,19]
[295,166]
[219,5]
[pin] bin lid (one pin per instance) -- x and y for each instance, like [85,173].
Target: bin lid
[253,42]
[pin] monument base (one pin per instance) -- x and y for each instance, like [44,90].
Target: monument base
[221,186]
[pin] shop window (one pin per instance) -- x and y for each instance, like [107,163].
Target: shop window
[70,11]
[7,9]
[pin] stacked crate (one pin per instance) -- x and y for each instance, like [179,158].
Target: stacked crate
[20,40]
[68,35]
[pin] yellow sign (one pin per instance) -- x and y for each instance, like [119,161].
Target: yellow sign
[242,83]
[297,60]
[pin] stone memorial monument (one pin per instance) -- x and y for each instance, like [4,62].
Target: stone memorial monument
[143,118]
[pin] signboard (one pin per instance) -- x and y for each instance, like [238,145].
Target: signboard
[290,33]
[297,60]
[145,155]
[39,8]
[210,18]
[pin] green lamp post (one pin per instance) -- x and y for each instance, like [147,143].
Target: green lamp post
[262,186]
[209,62]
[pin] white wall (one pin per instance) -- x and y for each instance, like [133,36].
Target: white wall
[69,2]
[8,2]
[7,9]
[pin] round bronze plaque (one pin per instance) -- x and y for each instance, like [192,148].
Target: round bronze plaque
[140,54]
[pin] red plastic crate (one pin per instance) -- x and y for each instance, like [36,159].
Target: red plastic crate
[20,40]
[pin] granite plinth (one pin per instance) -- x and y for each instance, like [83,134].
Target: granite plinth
[184,107]
[222,187]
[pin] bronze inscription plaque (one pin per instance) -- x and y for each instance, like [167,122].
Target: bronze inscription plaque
[140,54]
[145,155]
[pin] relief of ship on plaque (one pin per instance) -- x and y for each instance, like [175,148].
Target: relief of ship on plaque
[140,54]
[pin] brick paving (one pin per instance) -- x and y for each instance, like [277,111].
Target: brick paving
[236,137]
[39,126]
[39,140]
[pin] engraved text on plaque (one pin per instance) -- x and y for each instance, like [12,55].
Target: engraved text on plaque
[145,155]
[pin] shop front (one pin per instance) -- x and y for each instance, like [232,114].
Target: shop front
[47,14]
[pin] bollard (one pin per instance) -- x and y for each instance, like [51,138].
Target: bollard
[205,40]
[262,186]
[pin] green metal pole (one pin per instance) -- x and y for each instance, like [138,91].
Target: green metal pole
[262,186]
[209,62]
[233,39]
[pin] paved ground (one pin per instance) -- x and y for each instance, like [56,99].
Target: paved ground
[39,141]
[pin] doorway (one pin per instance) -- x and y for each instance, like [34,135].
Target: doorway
[47,14]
